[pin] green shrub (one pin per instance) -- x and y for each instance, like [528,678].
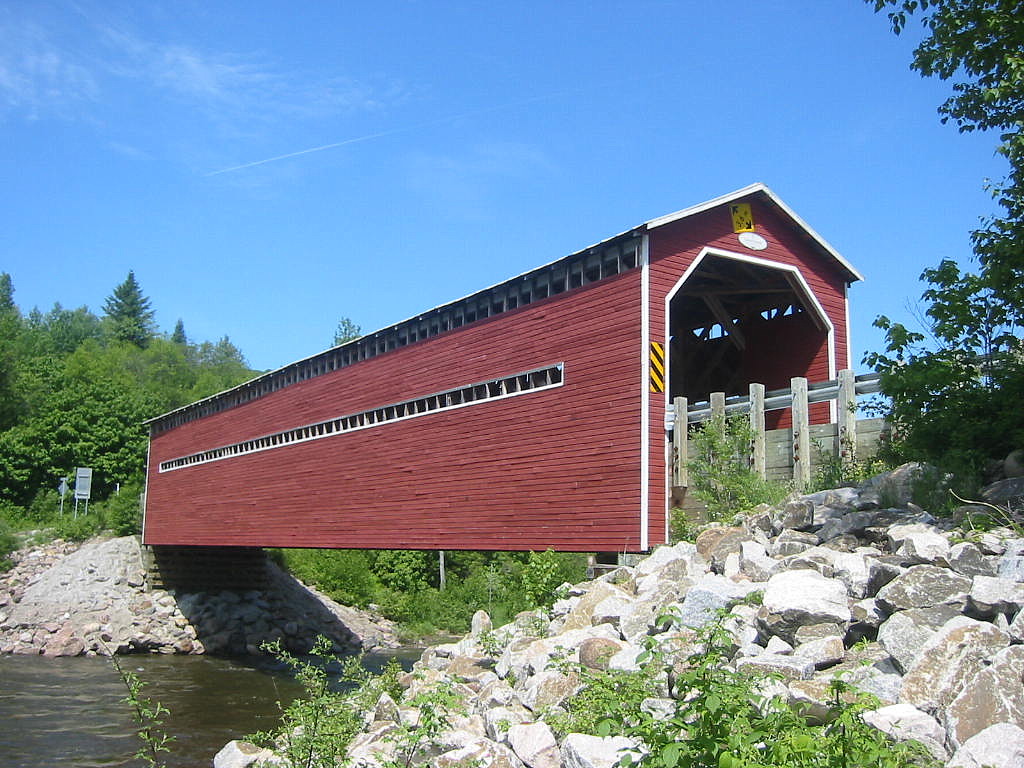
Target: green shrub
[80,528]
[122,513]
[317,728]
[45,507]
[545,571]
[407,570]
[682,525]
[720,472]
[835,470]
[8,544]
[343,574]
[720,719]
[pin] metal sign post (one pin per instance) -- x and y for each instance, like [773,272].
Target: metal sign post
[83,487]
[62,489]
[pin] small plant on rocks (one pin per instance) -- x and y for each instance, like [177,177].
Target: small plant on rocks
[316,729]
[720,472]
[436,705]
[722,721]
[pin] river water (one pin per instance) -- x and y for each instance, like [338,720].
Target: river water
[71,712]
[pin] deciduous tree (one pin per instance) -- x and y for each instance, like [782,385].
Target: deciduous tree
[955,389]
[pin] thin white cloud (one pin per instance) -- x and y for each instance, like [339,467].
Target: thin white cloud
[37,77]
[236,91]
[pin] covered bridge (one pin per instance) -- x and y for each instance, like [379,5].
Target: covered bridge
[528,415]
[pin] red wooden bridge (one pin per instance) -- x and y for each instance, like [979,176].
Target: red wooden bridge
[528,415]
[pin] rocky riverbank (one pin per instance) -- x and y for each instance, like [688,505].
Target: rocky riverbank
[927,617]
[64,599]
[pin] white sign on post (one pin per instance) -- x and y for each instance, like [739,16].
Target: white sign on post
[83,483]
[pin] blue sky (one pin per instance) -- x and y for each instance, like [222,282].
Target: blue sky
[466,142]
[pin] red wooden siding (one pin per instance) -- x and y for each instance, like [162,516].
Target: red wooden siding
[557,468]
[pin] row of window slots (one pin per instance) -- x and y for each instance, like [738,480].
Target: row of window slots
[511,385]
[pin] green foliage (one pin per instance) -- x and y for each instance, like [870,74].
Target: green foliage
[604,693]
[838,470]
[8,544]
[955,389]
[346,331]
[543,573]
[316,728]
[720,472]
[402,570]
[682,525]
[403,584]
[722,720]
[437,705]
[343,574]
[71,528]
[129,313]
[122,513]
[178,334]
[148,716]
[983,516]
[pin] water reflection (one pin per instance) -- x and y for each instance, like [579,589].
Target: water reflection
[71,712]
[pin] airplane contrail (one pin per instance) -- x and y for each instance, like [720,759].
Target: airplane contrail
[380,134]
[355,140]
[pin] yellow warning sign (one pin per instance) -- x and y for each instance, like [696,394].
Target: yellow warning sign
[742,218]
[657,367]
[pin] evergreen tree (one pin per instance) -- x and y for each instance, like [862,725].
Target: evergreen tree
[179,337]
[10,328]
[129,313]
[6,293]
[346,331]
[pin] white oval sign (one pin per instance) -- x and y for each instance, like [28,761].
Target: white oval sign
[753,241]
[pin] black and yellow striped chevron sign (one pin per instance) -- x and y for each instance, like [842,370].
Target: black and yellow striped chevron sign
[657,367]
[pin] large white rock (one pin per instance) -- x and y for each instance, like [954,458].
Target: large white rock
[822,652]
[950,657]
[993,695]
[806,597]
[661,557]
[240,754]
[708,596]
[905,633]
[481,753]
[786,667]
[967,559]
[998,746]
[919,543]
[923,586]
[498,720]
[755,562]
[990,595]
[535,745]
[583,751]
[548,688]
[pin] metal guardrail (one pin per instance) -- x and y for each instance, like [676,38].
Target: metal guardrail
[777,399]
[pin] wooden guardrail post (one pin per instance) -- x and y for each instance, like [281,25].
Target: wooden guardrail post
[680,475]
[801,433]
[846,417]
[717,404]
[757,450]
